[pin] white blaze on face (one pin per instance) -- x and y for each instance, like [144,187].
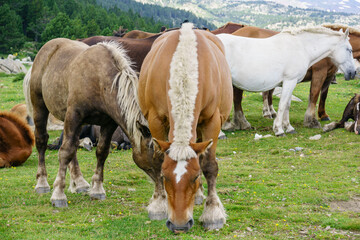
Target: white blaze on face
[180,169]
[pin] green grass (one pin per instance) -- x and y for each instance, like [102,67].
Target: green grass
[268,191]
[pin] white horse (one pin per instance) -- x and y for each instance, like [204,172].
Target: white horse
[259,65]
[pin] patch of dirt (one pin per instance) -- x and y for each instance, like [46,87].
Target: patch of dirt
[352,205]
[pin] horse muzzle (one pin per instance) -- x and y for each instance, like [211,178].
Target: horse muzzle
[179,229]
[349,75]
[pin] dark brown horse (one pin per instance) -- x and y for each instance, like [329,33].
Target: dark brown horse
[185,111]
[16,140]
[80,84]
[320,75]
[352,111]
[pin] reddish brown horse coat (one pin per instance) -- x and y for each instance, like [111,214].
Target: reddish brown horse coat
[320,75]
[16,140]
[229,27]
[191,100]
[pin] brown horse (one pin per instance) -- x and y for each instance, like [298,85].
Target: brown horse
[80,84]
[351,111]
[16,140]
[229,27]
[138,34]
[320,75]
[185,111]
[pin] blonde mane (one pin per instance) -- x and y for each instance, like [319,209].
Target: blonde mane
[321,30]
[352,30]
[126,82]
[183,91]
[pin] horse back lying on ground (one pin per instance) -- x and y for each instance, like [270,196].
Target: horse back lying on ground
[320,74]
[81,84]
[352,111]
[300,49]
[16,140]
[185,111]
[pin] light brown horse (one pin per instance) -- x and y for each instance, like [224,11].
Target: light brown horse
[185,110]
[138,34]
[80,84]
[16,140]
[229,27]
[320,75]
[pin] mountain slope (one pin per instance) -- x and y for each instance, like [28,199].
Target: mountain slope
[264,14]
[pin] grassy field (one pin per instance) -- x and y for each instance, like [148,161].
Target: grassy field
[269,191]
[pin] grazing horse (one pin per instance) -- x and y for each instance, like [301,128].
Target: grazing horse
[229,27]
[80,84]
[300,49]
[16,140]
[138,34]
[320,74]
[185,110]
[352,111]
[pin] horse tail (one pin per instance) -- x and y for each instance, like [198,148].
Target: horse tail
[183,91]
[23,127]
[126,82]
[26,90]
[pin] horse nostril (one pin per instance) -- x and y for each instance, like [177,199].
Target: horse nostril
[170,225]
[190,223]
[180,229]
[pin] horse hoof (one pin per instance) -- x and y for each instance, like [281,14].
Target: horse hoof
[41,190]
[325,119]
[59,203]
[292,132]
[280,135]
[217,224]
[97,196]
[199,200]
[82,190]
[268,116]
[157,215]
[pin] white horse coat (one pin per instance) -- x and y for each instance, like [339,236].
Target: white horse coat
[259,65]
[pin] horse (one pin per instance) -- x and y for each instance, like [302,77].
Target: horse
[92,132]
[21,110]
[229,27]
[320,74]
[300,49]
[16,140]
[138,34]
[352,111]
[185,112]
[82,84]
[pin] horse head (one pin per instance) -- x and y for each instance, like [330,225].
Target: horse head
[181,180]
[342,57]
[356,113]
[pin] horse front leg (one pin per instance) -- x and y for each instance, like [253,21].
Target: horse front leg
[282,119]
[97,191]
[324,92]
[214,216]
[77,182]
[67,152]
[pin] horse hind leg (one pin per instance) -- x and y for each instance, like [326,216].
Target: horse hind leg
[97,191]
[268,108]
[41,114]
[67,153]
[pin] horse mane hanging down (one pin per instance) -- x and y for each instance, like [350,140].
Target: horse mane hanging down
[352,30]
[183,91]
[126,81]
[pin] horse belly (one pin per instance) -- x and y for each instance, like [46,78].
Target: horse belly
[252,83]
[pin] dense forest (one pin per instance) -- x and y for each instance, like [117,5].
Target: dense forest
[41,20]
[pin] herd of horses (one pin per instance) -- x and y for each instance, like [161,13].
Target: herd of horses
[170,93]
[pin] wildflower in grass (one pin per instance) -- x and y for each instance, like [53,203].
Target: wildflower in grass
[109,182]
[69,201]
[277,224]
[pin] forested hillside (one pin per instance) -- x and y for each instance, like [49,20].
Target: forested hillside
[41,20]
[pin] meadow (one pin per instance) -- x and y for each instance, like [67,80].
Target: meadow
[269,191]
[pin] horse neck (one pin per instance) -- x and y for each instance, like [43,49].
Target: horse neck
[318,45]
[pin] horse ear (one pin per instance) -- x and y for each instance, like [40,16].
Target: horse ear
[346,33]
[161,145]
[201,147]
[143,129]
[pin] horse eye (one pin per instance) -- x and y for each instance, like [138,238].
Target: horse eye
[196,177]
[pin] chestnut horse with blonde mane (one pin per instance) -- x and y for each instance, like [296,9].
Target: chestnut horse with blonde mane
[185,92]
[16,140]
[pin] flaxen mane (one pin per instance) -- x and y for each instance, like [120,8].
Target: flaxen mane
[323,30]
[22,126]
[352,30]
[126,82]
[183,91]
